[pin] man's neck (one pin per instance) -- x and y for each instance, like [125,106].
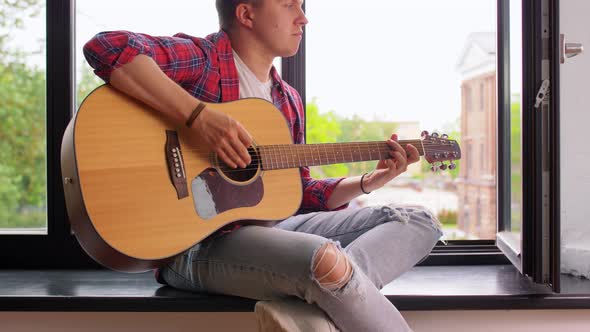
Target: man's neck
[253,55]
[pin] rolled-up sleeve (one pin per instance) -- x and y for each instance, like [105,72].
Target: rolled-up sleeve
[317,192]
[179,58]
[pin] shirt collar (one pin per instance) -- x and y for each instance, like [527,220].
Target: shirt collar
[227,67]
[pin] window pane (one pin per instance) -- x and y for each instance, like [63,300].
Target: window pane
[404,67]
[195,18]
[23,178]
[516,115]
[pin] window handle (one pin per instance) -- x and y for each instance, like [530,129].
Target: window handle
[568,50]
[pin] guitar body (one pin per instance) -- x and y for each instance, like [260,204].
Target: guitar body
[120,191]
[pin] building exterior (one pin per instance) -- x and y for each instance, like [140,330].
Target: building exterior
[476,184]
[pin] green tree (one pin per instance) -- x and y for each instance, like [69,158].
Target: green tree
[329,127]
[12,16]
[88,81]
[22,125]
[323,128]
[516,162]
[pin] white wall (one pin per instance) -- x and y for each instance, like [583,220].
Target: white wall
[420,321]
[575,147]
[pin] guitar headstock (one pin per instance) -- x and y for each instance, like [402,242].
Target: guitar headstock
[440,149]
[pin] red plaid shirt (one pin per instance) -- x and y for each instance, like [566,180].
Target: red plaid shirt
[205,68]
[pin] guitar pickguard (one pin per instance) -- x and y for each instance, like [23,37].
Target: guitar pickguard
[213,194]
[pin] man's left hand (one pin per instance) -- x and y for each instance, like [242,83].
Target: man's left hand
[388,169]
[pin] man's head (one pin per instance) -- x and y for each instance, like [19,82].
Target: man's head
[275,24]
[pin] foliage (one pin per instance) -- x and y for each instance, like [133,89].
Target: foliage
[12,16]
[87,83]
[447,217]
[22,125]
[329,128]
[516,163]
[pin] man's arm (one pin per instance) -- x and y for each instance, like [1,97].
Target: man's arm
[132,63]
[142,79]
[345,191]
[386,170]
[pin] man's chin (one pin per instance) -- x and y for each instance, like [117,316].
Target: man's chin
[290,52]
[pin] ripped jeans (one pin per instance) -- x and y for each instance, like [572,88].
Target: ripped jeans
[266,263]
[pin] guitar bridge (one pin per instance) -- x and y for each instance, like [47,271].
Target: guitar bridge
[175,164]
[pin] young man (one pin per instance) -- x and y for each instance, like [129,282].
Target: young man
[333,258]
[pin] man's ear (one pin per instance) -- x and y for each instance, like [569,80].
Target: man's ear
[245,15]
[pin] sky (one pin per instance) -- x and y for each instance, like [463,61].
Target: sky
[388,59]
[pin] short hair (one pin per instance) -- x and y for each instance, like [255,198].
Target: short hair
[226,10]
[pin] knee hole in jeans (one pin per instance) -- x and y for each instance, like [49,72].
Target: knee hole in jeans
[331,267]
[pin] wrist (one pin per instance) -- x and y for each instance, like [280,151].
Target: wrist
[370,182]
[197,110]
[364,182]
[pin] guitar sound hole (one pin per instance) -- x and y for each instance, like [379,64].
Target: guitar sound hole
[242,174]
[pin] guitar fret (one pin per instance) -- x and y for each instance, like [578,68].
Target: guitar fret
[335,153]
[360,153]
[317,150]
[287,155]
[273,161]
[304,153]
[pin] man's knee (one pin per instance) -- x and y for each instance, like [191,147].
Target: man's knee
[331,267]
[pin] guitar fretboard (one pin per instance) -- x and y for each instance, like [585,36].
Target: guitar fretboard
[299,155]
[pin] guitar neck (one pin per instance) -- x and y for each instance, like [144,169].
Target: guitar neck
[299,155]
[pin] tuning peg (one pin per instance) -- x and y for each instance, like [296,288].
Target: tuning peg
[435,135]
[424,133]
[434,168]
[445,136]
[452,165]
[443,166]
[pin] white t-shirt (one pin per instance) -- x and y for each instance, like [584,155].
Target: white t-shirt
[250,86]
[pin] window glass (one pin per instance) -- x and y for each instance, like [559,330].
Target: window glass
[402,67]
[516,115]
[23,178]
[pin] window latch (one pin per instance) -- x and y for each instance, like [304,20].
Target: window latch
[542,93]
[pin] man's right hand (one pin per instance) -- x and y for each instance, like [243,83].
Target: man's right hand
[143,79]
[226,137]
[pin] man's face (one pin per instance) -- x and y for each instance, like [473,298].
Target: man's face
[279,25]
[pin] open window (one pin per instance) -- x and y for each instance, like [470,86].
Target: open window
[528,225]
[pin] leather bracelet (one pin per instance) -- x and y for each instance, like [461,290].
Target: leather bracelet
[195,113]
[362,188]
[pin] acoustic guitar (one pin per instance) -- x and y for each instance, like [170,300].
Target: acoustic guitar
[140,190]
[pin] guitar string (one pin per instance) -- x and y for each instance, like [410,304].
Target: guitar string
[286,164]
[287,151]
[274,155]
[325,146]
[330,158]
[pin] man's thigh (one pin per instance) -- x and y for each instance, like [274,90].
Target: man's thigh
[253,261]
[343,226]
